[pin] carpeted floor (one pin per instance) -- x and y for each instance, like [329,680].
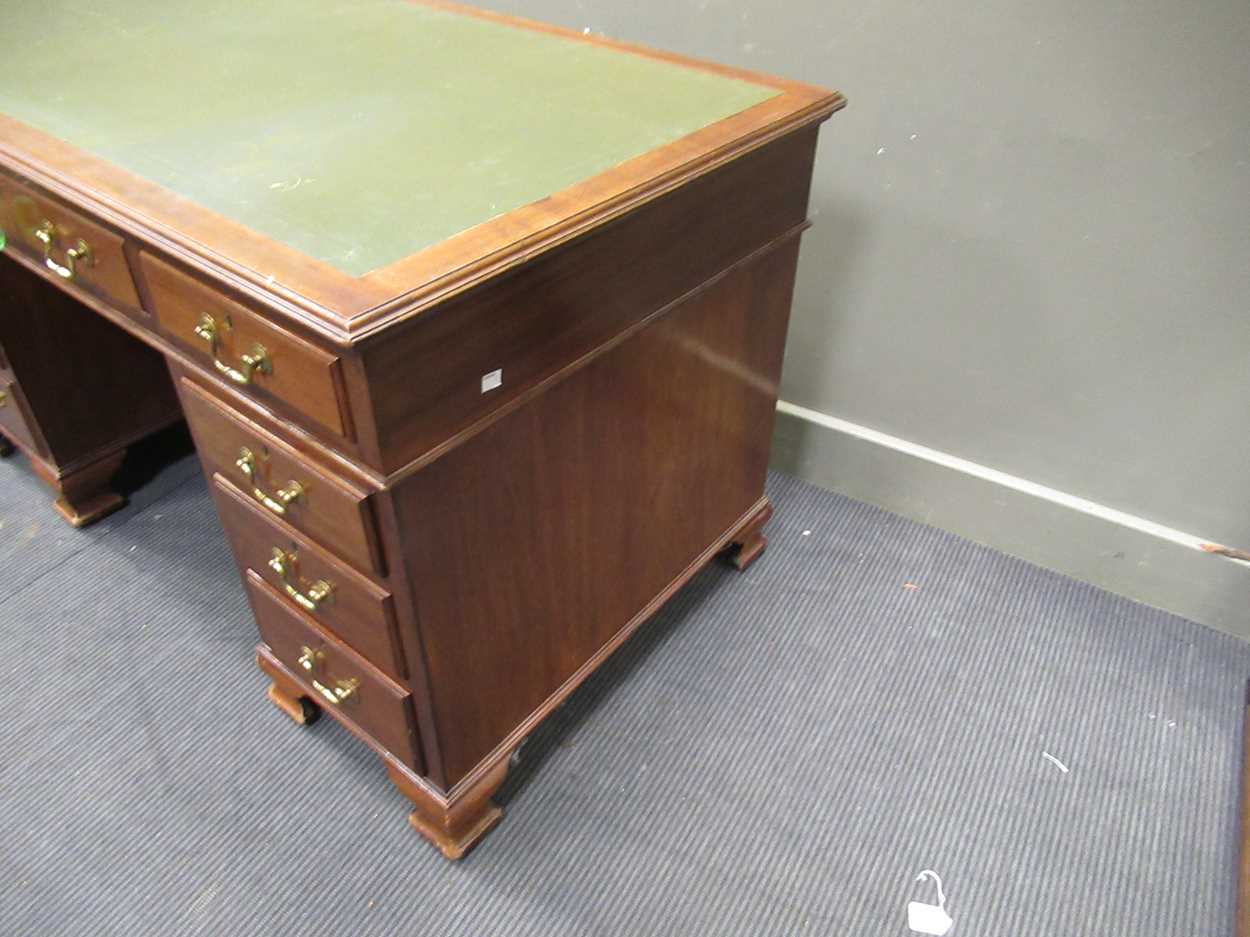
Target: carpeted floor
[777,753]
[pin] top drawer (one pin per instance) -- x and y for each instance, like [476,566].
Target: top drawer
[68,245]
[243,348]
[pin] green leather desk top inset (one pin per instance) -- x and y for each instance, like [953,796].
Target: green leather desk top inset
[355,131]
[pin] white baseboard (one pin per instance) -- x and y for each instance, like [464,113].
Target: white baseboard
[1122,552]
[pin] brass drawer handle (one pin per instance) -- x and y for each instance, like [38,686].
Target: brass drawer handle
[46,235]
[286,565]
[256,362]
[341,692]
[4,398]
[283,498]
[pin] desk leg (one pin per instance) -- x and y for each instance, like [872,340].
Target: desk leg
[455,826]
[287,695]
[300,708]
[749,542]
[85,495]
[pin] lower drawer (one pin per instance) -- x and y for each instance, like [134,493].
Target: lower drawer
[15,420]
[335,676]
[350,605]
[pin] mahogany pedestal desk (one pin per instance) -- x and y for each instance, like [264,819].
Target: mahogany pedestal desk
[477,325]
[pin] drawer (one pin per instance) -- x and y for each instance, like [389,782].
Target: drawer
[67,244]
[244,349]
[355,608]
[15,419]
[335,676]
[331,511]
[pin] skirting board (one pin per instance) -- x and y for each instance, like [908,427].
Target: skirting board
[1145,566]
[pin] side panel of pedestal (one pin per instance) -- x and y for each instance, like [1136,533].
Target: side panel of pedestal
[534,545]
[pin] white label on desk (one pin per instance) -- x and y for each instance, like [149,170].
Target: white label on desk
[492,380]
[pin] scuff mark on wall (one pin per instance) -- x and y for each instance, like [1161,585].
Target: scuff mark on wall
[1241,556]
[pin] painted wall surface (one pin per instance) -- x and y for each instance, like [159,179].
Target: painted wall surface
[1032,240]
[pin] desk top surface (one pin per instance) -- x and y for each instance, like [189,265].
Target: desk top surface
[356,133]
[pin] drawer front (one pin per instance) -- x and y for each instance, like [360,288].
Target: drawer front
[71,247]
[244,349]
[332,512]
[15,418]
[354,608]
[335,676]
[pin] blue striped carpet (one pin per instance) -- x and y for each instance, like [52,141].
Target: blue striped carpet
[778,753]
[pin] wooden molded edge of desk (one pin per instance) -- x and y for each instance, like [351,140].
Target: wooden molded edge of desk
[357,462]
[311,446]
[312,296]
[581,208]
[556,314]
[471,430]
[360,460]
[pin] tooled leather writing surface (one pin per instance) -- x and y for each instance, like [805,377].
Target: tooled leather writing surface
[357,132]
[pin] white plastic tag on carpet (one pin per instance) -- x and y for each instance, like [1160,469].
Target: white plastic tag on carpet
[929,918]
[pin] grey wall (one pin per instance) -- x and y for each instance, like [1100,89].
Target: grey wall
[1032,251]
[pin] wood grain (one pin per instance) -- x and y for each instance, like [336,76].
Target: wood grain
[537,539]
